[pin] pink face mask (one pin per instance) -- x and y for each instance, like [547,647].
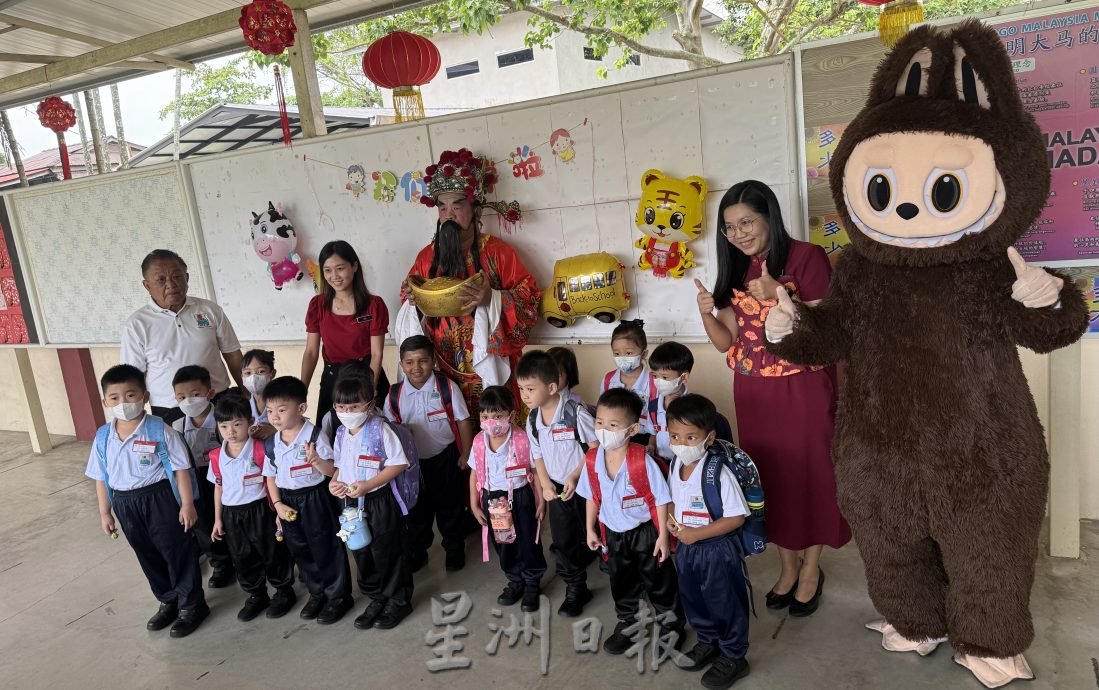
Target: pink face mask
[496,427]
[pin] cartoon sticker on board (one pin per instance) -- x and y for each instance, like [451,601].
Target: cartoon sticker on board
[385,185]
[670,215]
[274,240]
[356,180]
[525,163]
[563,145]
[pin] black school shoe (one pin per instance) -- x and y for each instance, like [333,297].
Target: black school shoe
[392,616]
[313,606]
[253,607]
[282,602]
[618,642]
[531,598]
[576,598]
[724,673]
[700,656]
[455,561]
[189,620]
[165,616]
[513,592]
[367,618]
[335,610]
[221,577]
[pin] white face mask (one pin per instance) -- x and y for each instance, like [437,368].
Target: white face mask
[193,407]
[612,439]
[352,420]
[255,383]
[627,364]
[666,387]
[128,411]
[689,455]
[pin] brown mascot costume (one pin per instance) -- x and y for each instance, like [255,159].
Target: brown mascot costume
[940,460]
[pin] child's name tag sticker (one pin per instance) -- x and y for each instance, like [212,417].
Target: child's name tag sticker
[253,479]
[694,519]
[301,470]
[515,472]
[632,502]
[145,447]
[564,433]
[368,462]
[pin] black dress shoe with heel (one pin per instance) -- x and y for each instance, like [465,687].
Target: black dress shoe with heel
[781,601]
[801,609]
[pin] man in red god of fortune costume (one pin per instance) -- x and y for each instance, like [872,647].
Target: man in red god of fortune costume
[941,465]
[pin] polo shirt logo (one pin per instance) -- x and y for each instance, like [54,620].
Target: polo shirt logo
[202,320]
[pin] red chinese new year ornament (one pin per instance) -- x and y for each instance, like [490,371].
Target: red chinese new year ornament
[58,115]
[403,61]
[268,26]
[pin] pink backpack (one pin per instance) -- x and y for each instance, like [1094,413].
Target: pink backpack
[520,451]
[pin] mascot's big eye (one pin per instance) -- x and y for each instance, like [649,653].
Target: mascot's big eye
[677,220]
[263,228]
[944,191]
[879,190]
[650,216]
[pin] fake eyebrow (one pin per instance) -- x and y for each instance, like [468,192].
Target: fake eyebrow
[952,157]
[879,156]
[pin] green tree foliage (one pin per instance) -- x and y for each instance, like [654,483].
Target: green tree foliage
[209,86]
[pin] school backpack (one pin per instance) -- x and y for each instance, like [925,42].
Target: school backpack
[520,452]
[258,451]
[752,534]
[722,430]
[269,442]
[572,409]
[639,479]
[406,485]
[442,387]
[154,429]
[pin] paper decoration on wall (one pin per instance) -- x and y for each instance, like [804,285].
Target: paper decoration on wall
[274,241]
[385,185]
[525,163]
[562,145]
[670,214]
[314,272]
[413,185]
[585,285]
[356,180]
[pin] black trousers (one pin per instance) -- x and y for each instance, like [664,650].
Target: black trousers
[442,501]
[217,551]
[570,537]
[384,574]
[522,560]
[168,556]
[328,380]
[259,558]
[318,552]
[715,596]
[635,572]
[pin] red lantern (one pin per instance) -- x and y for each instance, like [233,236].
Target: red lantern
[403,61]
[58,115]
[268,26]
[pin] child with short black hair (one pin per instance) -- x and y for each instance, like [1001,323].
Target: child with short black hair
[627,519]
[195,394]
[369,456]
[630,346]
[142,472]
[257,369]
[670,365]
[569,379]
[433,408]
[560,431]
[500,487]
[709,558]
[298,460]
[243,517]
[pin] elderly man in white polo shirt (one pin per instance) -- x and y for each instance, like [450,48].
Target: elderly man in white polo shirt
[173,331]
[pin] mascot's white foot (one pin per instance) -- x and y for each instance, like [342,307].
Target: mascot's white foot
[995,673]
[893,641]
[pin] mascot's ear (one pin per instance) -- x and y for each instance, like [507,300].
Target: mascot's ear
[255,217]
[698,183]
[982,69]
[651,176]
[913,69]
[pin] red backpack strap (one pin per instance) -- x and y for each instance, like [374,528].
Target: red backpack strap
[639,477]
[607,380]
[215,464]
[259,454]
[480,472]
[596,494]
[395,400]
[442,385]
[520,448]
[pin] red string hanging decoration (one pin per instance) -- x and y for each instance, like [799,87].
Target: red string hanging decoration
[58,115]
[284,117]
[268,26]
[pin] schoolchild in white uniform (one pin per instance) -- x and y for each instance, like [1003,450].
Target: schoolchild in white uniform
[126,462]
[369,456]
[631,348]
[243,517]
[297,466]
[670,366]
[258,370]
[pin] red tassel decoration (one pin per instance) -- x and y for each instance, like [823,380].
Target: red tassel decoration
[283,115]
[66,169]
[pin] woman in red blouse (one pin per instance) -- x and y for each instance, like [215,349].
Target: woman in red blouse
[350,322]
[785,413]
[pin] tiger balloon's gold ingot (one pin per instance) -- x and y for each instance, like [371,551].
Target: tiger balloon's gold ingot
[441,296]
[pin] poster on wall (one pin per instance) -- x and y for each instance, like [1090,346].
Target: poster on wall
[825,230]
[16,325]
[1056,63]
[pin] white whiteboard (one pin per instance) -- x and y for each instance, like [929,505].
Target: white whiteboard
[82,243]
[727,126]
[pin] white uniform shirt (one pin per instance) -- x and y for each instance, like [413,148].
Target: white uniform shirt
[501,467]
[241,478]
[200,439]
[258,416]
[642,386]
[356,464]
[557,445]
[622,509]
[133,462]
[159,341]
[289,467]
[690,508]
[663,438]
[422,411]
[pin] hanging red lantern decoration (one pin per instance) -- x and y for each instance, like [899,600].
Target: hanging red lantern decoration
[896,18]
[403,61]
[58,115]
[268,26]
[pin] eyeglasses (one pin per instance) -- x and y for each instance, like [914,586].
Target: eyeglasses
[175,279]
[741,227]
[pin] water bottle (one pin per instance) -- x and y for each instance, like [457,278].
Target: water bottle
[754,531]
[754,496]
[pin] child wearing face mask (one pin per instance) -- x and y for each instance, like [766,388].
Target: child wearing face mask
[670,366]
[631,348]
[709,558]
[194,394]
[369,456]
[502,493]
[257,370]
